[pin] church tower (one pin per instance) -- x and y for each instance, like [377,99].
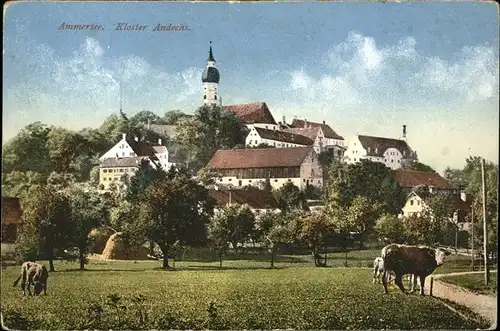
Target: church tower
[210,79]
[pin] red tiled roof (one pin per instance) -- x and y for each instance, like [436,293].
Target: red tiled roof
[11,210]
[311,132]
[327,130]
[259,158]
[142,148]
[376,146]
[250,113]
[160,149]
[412,179]
[284,136]
[255,198]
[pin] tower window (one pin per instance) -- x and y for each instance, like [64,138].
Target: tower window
[215,97]
[204,97]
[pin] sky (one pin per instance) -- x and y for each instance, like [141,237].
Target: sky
[363,67]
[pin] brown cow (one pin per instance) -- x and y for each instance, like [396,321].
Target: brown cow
[33,274]
[421,261]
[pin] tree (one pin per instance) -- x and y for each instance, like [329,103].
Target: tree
[64,147]
[390,229]
[44,226]
[210,129]
[362,214]
[235,223]
[144,117]
[28,151]
[417,166]
[113,127]
[142,179]
[290,197]
[262,145]
[87,213]
[175,209]
[17,184]
[315,229]
[173,116]
[61,181]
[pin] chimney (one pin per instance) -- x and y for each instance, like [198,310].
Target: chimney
[124,136]
[324,122]
[159,141]
[136,138]
[284,119]
[305,123]
[404,131]
[149,123]
[463,196]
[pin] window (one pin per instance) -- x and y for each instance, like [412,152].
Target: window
[239,183]
[104,178]
[275,180]
[123,153]
[104,170]
[376,150]
[411,202]
[230,179]
[121,170]
[418,202]
[215,97]
[204,97]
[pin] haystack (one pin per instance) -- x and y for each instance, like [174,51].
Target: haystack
[118,249]
[100,237]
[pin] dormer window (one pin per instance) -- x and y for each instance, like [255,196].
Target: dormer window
[368,149]
[376,150]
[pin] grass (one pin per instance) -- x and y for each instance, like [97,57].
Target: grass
[474,283]
[197,295]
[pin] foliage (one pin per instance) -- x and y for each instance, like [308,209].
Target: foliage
[261,145]
[390,229]
[173,116]
[233,223]
[143,178]
[17,184]
[290,198]
[143,117]
[173,210]
[44,226]
[64,147]
[87,213]
[210,129]
[314,231]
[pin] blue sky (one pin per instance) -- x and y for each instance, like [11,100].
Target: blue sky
[365,68]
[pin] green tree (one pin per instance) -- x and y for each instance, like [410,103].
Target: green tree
[17,184]
[142,179]
[28,151]
[87,213]
[290,197]
[175,209]
[315,229]
[64,147]
[143,117]
[390,229]
[44,226]
[172,117]
[113,127]
[210,129]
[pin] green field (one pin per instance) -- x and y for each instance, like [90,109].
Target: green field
[242,295]
[474,283]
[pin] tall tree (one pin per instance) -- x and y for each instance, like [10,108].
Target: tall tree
[87,213]
[390,229]
[17,184]
[417,166]
[142,179]
[173,116]
[315,229]
[210,129]
[28,151]
[64,147]
[143,117]
[175,209]
[44,225]
[290,197]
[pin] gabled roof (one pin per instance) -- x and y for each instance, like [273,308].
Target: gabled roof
[250,113]
[160,149]
[11,210]
[376,146]
[255,198]
[284,136]
[142,148]
[122,162]
[259,158]
[327,130]
[413,179]
[310,132]
[456,200]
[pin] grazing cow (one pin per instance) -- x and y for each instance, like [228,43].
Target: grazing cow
[378,269]
[33,274]
[420,261]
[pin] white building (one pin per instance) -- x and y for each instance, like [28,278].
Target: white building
[255,114]
[275,138]
[330,140]
[394,153]
[242,167]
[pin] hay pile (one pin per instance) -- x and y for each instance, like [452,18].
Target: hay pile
[99,237]
[118,249]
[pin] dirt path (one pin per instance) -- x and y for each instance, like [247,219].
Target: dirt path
[483,305]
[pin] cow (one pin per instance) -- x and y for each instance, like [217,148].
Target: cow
[420,261]
[33,274]
[378,269]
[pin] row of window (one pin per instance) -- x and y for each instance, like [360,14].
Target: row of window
[119,170]
[411,202]
[109,178]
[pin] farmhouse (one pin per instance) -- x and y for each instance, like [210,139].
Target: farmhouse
[259,201]
[394,153]
[241,167]
[331,140]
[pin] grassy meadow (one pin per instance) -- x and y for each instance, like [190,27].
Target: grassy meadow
[244,294]
[475,283]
